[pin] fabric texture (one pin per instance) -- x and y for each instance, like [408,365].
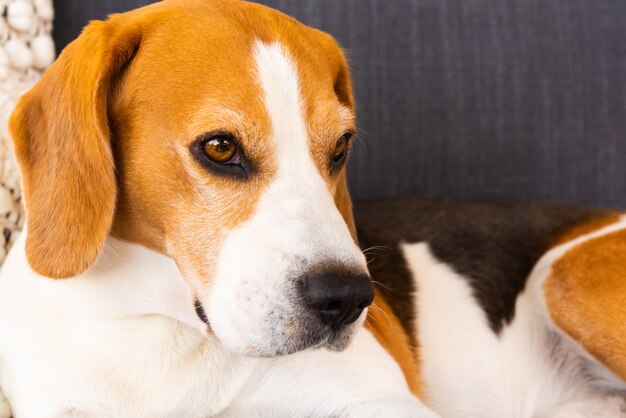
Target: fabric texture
[26,48]
[521,100]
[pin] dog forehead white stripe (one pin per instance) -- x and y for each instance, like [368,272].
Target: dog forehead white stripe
[299,192]
[279,80]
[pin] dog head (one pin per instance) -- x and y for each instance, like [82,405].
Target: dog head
[215,132]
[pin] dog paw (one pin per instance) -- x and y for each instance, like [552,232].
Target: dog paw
[5,408]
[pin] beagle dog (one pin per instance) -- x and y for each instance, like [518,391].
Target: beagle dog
[190,249]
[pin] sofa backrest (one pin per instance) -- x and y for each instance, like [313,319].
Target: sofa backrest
[473,98]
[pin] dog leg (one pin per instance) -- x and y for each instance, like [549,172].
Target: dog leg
[362,381]
[5,408]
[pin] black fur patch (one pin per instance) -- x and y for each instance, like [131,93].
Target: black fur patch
[493,245]
[200,312]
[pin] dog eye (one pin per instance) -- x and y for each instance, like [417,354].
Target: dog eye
[341,151]
[221,149]
[220,153]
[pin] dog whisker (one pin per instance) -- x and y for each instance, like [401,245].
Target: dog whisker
[373,305]
[381,285]
[376,247]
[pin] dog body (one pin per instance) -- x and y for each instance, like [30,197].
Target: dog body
[506,302]
[190,248]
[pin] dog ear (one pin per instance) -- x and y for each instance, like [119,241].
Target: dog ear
[62,143]
[343,89]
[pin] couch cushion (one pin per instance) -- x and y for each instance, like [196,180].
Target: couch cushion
[473,98]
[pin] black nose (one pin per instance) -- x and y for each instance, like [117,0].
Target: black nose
[338,299]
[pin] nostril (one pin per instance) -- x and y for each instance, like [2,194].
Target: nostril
[333,305]
[333,313]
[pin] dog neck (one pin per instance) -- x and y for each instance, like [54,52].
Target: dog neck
[131,308]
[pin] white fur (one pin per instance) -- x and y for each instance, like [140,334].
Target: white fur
[5,408]
[601,406]
[529,370]
[123,340]
[107,344]
[296,226]
[317,381]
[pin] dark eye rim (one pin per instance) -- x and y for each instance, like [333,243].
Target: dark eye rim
[338,161]
[241,170]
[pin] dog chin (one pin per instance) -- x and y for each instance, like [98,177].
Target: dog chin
[337,340]
[340,341]
[332,340]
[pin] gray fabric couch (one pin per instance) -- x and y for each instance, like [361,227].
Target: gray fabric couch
[507,99]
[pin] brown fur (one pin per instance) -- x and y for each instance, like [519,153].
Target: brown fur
[383,323]
[585,296]
[102,140]
[102,150]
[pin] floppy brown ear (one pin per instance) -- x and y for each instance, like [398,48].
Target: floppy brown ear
[62,144]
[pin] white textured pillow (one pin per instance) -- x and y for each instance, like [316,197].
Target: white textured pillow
[26,49]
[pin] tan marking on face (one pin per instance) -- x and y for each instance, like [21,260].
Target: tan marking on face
[385,326]
[585,295]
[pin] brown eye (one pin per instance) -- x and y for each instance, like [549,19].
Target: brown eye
[341,148]
[220,153]
[220,149]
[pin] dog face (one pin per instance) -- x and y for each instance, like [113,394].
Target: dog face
[216,133]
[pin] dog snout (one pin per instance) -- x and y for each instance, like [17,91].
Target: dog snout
[337,299]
